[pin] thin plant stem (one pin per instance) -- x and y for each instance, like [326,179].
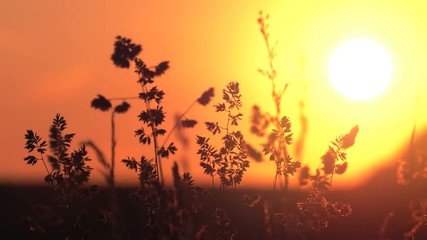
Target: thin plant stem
[333,172]
[113,150]
[123,98]
[227,129]
[44,164]
[155,142]
[42,159]
[160,169]
[177,123]
[277,97]
[213,182]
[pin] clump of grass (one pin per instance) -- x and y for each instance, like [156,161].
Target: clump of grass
[315,212]
[412,175]
[174,212]
[67,173]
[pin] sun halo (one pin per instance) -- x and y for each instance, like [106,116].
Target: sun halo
[360,69]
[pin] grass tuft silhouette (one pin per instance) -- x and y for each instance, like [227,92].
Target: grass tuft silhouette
[183,210]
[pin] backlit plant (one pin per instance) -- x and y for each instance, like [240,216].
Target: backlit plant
[183,210]
[153,116]
[315,212]
[276,126]
[68,174]
[228,162]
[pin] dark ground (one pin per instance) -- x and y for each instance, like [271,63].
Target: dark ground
[371,204]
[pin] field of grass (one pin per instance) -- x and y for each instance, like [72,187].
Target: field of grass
[391,206]
[371,204]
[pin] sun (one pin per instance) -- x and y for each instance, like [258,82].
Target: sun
[360,69]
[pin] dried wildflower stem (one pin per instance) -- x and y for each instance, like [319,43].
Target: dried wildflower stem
[226,154]
[123,98]
[336,158]
[113,149]
[213,181]
[157,160]
[44,163]
[277,97]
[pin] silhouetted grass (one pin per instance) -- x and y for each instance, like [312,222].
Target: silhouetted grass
[70,209]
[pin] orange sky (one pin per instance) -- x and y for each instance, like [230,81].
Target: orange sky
[55,57]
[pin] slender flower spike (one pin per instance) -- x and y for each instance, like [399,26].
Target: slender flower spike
[101,103]
[122,108]
[124,51]
[349,139]
[206,97]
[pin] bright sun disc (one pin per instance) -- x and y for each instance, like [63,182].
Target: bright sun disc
[360,69]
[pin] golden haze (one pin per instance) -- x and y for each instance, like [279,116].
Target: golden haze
[55,58]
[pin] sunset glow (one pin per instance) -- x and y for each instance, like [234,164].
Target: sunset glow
[144,119]
[56,59]
[360,69]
